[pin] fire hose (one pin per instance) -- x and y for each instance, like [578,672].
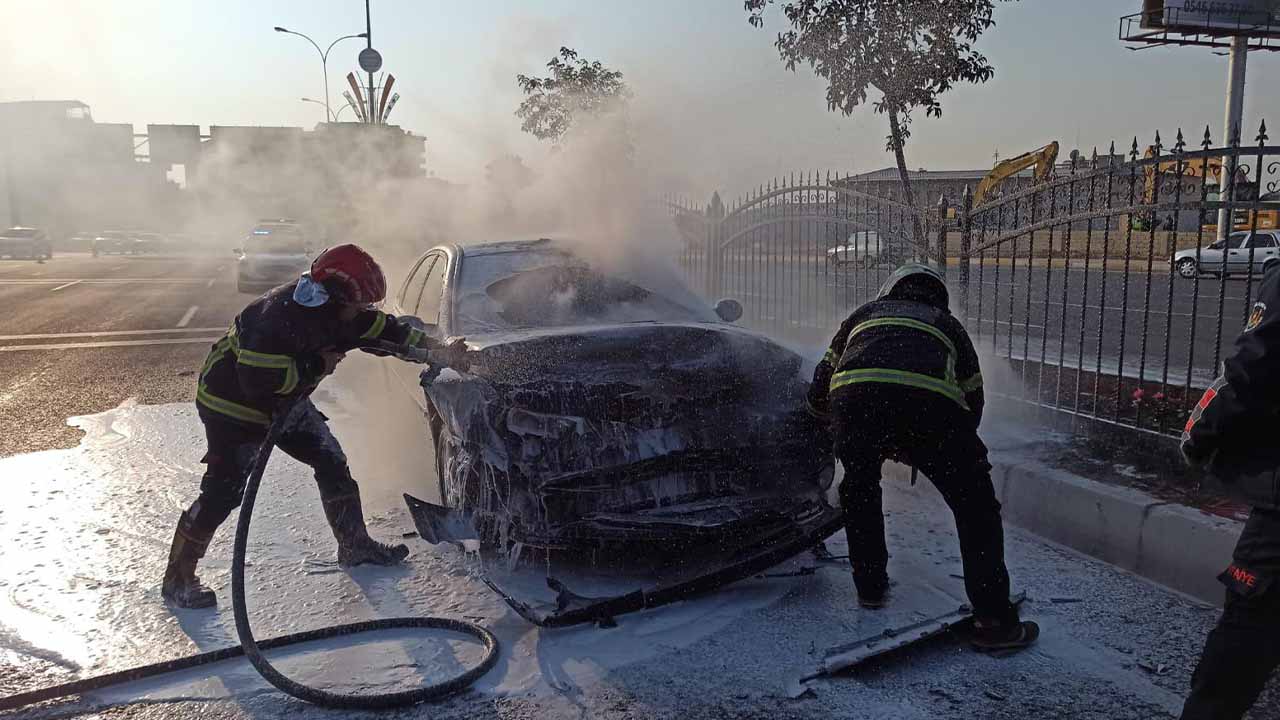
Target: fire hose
[253,649]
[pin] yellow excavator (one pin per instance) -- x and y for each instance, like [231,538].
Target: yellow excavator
[1203,168]
[1043,160]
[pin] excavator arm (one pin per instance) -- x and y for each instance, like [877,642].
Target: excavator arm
[1193,168]
[1043,160]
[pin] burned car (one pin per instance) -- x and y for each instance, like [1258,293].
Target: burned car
[600,413]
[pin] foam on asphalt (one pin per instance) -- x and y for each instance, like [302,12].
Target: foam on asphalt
[85,532]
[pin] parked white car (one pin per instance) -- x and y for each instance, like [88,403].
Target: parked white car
[1264,246]
[862,249]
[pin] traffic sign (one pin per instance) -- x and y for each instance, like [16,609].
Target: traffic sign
[370,60]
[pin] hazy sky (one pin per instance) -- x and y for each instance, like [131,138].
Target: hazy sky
[713,102]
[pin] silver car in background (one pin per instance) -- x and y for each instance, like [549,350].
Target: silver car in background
[862,249]
[274,253]
[1263,245]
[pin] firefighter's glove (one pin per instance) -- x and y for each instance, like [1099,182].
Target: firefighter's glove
[453,354]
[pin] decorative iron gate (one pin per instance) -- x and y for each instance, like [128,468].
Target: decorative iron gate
[1073,282]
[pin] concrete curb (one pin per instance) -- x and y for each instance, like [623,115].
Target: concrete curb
[1176,546]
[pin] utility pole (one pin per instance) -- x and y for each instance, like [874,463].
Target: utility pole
[368,34]
[1236,58]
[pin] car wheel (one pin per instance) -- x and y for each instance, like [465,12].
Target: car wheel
[1186,267]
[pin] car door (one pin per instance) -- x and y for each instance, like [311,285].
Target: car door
[406,374]
[1264,249]
[431,301]
[1237,252]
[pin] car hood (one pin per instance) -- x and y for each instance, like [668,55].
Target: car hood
[672,413]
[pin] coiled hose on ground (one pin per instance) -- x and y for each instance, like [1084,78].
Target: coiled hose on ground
[251,648]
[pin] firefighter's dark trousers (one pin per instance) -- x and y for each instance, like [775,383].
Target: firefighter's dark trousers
[873,422]
[1243,650]
[231,450]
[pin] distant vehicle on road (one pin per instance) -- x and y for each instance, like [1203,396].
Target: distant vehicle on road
[1263,245]
[25,243]
[274,252]
[112,241]
[862,249]
[149,242]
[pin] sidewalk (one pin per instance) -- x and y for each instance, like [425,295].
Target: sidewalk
[1169,543]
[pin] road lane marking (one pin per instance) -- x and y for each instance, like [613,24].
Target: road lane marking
[109,344]
[186,317]
[101,281]
[67,285]
[109,333]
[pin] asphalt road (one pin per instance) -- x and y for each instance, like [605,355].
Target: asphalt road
[81,335]
[1077,315]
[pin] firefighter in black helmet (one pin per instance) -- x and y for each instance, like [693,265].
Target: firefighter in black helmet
[901,381]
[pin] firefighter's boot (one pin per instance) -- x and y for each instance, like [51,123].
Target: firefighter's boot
[872,583]
[1009,636]
[355,547]
[181,587]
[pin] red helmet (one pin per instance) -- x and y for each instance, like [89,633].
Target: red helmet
[352,273]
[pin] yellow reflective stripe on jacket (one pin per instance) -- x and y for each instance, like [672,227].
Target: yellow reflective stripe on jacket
[290,380]
[230,409]
[379,324]
[269,361]
[898,377]
[969,384]
[915,325]
[830,358]
[415,335]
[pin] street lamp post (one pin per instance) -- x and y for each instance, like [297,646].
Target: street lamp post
[324,62]
[336,115]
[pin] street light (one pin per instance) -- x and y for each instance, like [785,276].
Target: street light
[324,61]
[335,115]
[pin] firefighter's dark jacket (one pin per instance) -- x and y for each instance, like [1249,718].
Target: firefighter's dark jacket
[1235,428]
[901,342]
[272,351]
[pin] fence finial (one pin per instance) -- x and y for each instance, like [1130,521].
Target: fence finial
[1207,142]
[1262,133]
[1180,143]
[1133,151]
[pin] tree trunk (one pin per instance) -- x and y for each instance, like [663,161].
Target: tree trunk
[895,139]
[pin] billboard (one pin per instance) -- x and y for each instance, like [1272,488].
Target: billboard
[1251,18]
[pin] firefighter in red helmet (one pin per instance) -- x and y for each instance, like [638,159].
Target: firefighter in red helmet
[282,344]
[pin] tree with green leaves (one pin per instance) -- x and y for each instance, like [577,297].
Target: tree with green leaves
[910,51]
[575,87]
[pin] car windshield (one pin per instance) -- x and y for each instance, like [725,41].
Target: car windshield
[550,288]
[275,239]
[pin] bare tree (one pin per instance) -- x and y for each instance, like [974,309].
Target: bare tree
[575,87]
[911,51]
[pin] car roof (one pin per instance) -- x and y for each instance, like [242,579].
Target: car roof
[512,246]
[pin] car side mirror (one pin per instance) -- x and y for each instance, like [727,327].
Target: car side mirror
[729,310]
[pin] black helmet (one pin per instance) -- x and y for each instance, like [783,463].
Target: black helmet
[918,282]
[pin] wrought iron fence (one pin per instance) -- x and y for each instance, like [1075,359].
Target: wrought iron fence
[1076,283]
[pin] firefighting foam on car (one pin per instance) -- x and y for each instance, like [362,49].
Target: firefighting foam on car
[598,416]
